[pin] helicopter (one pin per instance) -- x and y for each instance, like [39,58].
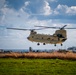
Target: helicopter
[58,37]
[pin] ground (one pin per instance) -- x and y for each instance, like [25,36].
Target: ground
[24,66]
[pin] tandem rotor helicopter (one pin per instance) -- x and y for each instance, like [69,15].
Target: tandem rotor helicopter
[58,37]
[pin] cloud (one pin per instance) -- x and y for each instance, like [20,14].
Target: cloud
[11,16]
[24,7]
[2,2]
[52,0]
[71,10]
[64,9]
[27,3]
[2,5]
[61,9]
[46,9]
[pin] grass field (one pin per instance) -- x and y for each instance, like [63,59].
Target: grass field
[23,66]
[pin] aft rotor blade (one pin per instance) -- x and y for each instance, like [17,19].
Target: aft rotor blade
[70,28]
[48,27]
[63,27]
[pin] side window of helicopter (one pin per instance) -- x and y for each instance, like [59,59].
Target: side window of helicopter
[42,37]
[59,35]
[48,38]
[32,36]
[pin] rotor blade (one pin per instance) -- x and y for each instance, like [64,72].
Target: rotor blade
[25,29]
[63,27]
[48,27]
[66,28]
[70,28]
[18,29]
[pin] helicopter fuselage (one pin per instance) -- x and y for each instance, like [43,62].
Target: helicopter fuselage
[58,38]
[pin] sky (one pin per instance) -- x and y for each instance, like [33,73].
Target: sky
[28,13]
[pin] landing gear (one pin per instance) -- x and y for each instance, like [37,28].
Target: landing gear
[38,44]
[55,45]
[43,43]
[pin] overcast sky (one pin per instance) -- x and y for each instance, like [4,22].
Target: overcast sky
[27,13]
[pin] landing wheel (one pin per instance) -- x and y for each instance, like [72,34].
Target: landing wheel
[55,45]
[38,44]
[61,44]
[43,43]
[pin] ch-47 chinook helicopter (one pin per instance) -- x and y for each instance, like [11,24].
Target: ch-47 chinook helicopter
[58,37]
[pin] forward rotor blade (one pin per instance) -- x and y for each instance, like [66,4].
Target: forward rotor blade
[25,29]
[18,29]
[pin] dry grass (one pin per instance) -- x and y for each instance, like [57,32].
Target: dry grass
[68,55]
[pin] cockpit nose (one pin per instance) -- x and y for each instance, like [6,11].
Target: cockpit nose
[64,39]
